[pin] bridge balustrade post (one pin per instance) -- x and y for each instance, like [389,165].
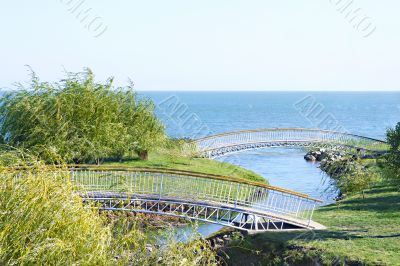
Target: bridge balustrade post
[291,204]
[154,187]
[312,212]
[197,182]
[298,207]
[229,193]
[130,183]
[286,209]
[221,196]
[248,193]
[237,195]
[72,175]
[161,186]
[216,190]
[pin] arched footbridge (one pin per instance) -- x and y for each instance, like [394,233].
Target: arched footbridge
[221,144]
[227,201]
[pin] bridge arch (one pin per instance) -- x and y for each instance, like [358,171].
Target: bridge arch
[221,144]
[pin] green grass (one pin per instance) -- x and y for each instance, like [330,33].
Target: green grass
[368,145]
[360,230]
[202,165]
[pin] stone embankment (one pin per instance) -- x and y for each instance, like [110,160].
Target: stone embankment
[324,155]
[329,155]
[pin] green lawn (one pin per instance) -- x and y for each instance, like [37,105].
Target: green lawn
[359,231]
[163,160]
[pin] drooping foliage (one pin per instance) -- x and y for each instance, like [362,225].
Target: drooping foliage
[393,158]
[78,120]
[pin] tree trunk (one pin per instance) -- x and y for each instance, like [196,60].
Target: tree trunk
[144,155]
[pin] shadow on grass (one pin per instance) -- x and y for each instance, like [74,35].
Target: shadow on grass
[380,189]
[388,200]
[274,248]
[282,239]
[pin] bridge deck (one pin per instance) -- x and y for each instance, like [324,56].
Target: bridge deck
[300,223]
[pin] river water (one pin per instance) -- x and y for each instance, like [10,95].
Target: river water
[196,114]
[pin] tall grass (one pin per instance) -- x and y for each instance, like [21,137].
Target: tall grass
[42,221]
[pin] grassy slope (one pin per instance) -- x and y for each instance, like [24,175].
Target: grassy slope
[366,230]
[161,160]
[362,229]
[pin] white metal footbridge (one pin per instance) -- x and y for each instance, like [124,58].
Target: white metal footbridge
[221,144]
[233,202]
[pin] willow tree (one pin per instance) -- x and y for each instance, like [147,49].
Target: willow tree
[79,120]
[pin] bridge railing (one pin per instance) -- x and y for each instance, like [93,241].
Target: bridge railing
[189,186]
[280,135]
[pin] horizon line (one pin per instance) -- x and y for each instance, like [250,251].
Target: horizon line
[175,90]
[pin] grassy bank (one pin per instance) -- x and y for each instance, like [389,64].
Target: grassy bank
[162,159]
[360,231]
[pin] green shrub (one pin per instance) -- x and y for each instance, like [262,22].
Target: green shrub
[357,181]
[79,120]
[392,166]
[350,175]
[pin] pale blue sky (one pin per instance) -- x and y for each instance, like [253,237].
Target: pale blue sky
[207,44]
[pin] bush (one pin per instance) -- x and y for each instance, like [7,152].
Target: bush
[350,175]
[392,166]
[78,120]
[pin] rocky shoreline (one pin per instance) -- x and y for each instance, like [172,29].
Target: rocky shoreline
[324,155]
[334,154]
[336,162]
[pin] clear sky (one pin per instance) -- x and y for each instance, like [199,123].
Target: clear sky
[207,44]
